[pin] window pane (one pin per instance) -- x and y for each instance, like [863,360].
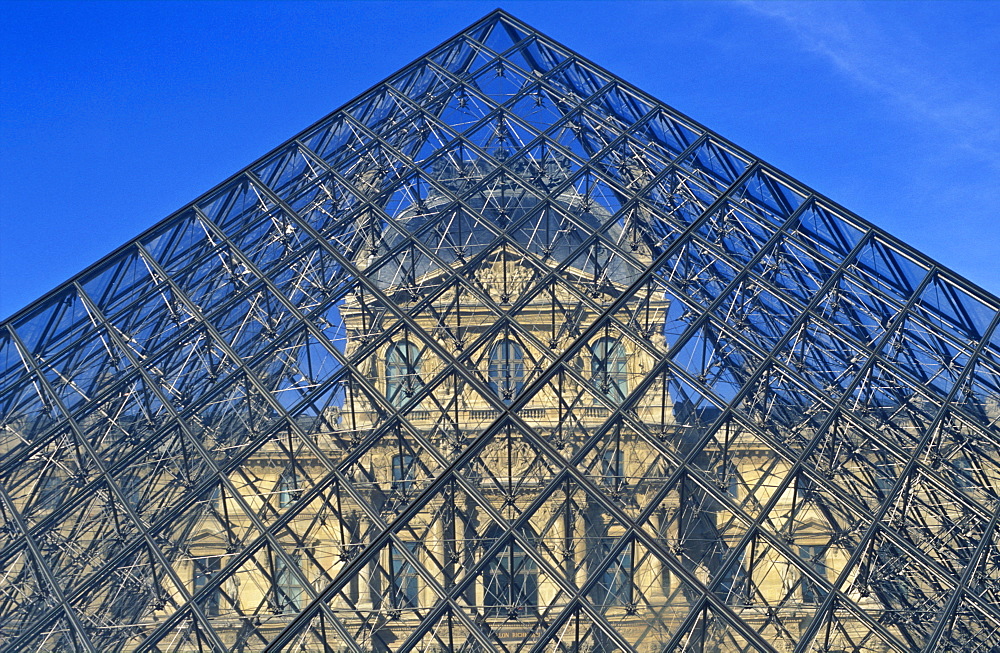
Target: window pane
[404,578]
[607,369]
[403,472]
[288,587]
[506,373]
[204,571]
[402,372]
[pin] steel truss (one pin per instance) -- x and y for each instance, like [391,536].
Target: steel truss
[503,355]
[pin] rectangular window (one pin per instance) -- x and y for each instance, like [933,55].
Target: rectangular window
[288,489]
[612,472]
[403,472]
[510,583]
[288,586]
[733,588]
[615,586]
[608,368]
[131,486]
[205,570]
[729,479]
[404,577]
[962,472]
[50,492]
[814,558]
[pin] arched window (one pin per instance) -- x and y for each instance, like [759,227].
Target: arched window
[402,372]
[607,368]
[506,374]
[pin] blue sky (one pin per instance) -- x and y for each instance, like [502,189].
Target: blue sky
[114,115]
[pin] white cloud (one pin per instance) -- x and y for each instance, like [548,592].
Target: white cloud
[902,66]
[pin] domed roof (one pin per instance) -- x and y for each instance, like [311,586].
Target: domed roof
[493,211]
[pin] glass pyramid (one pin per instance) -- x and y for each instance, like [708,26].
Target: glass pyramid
[503,355]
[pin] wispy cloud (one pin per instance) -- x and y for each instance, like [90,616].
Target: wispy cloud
[900,66]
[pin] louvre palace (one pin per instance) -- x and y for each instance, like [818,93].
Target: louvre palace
[504,356]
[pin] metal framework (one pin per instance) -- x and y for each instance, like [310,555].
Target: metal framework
[503,355]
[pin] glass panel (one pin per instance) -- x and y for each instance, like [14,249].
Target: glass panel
[402,372]
[289,589]
[205,569]
[506,373]
[404,577]
[608,371]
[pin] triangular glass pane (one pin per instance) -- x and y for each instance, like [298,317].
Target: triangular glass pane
[499,34]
